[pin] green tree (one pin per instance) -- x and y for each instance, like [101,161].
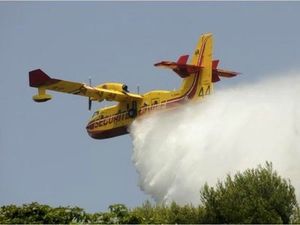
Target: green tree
[27,213]
[37,213]
[254,196]
[187,214]
[166,214]
[296,216]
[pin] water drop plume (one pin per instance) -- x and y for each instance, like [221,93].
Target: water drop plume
[236,128]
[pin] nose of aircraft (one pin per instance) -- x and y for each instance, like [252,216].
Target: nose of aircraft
[101,133]
[90,128]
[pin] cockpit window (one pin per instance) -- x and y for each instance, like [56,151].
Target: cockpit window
[95,114]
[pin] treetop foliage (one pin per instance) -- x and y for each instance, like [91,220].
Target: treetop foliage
[255,196]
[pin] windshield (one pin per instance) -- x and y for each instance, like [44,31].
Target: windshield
[95,114]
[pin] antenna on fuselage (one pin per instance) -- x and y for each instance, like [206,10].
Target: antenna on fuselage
[90,100]
[138,89]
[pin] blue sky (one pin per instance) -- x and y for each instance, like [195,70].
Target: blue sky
[45,152]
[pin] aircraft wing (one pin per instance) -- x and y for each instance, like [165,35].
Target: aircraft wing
[40,80]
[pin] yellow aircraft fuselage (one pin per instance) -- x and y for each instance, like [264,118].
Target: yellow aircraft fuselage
[114,120]
[198,78]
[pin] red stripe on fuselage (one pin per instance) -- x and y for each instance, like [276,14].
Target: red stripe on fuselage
[197,75]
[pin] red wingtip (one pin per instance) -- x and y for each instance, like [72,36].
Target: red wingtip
[38,78]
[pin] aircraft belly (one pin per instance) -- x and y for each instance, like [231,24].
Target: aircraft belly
[102,134]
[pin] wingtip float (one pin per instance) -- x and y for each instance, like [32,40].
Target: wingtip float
[198,76]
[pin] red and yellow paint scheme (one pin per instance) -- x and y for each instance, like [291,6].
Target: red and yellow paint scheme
[197,76]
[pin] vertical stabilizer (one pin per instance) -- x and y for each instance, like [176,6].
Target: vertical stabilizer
[199,84]
[203,57]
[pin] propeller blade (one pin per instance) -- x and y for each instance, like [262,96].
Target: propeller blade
[90,104]
[90,100]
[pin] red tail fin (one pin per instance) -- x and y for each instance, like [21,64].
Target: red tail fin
[215,64]
[183,59]
[217,73]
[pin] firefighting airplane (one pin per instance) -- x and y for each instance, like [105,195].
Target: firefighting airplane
[197,76]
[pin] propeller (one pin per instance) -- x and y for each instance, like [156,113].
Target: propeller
[90,100]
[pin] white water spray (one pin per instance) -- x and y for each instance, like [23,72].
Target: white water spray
[176,152]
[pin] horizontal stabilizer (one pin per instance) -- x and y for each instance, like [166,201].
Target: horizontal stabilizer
[217,73]
[184,70]
[226,73]
[180,67]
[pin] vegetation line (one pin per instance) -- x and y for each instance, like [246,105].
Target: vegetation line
[255,196]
